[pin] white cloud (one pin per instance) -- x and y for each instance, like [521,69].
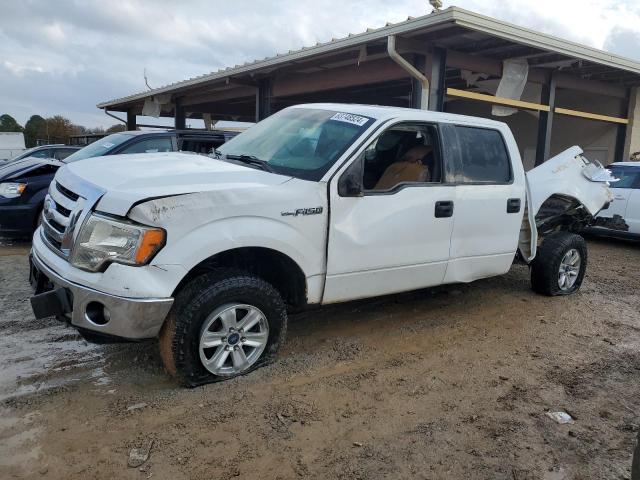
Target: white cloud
[63,57]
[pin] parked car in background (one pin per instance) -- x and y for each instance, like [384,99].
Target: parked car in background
[626,200]
[57,152]
[24,182]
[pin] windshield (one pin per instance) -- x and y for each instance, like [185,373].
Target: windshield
[99,147]
[300,142]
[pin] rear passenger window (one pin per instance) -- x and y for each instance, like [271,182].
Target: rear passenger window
[152,145]
[63,153]
[483,156]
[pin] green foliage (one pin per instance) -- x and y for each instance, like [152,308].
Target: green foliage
[118,127]
[9,124]
[34,129]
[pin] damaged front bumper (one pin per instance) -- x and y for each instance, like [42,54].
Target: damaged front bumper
[88,309]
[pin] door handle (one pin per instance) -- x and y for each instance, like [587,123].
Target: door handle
[513,205]
[619,197]
[444,209]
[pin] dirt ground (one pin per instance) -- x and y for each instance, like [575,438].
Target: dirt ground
[451,383]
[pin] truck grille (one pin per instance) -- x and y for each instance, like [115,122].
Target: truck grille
[62,208]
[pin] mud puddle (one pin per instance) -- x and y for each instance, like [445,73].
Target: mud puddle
[447,383]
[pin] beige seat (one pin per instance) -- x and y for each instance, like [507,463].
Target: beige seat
[409,169]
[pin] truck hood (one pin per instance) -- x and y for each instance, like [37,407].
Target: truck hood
[18,168]
[130,179]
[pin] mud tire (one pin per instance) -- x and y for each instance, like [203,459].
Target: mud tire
[179,337]
[546,265]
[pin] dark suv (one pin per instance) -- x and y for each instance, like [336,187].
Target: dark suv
[24,182]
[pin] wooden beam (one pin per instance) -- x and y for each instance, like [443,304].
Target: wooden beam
[493,67]
[374,71]
[572,82]
[591,116]
[218,95]
[454,92]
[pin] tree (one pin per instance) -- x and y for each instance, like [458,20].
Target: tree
[35,129]
[118,127]
[9,124]
[59,129]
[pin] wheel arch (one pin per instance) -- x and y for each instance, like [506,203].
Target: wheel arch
[275,267]
[561,212]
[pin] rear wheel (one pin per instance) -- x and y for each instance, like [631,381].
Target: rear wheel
[560,264]
[223,324]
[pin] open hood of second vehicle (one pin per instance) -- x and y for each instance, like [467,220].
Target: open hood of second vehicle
[20,168]
[129,179]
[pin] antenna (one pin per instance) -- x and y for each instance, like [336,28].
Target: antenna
[436,4]
[145,79]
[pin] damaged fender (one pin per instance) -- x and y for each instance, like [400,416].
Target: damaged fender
[568,176]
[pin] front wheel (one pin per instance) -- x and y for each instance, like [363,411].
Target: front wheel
[560,264]
[223,324]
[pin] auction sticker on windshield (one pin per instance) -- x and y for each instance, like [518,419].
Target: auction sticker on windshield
[350,118]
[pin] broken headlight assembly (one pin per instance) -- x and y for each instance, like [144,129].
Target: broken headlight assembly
[103,240]
[12,190]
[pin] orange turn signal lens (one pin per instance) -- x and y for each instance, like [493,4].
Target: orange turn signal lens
[152,241]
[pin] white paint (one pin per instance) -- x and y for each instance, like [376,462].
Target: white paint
[626,203]
[377,244]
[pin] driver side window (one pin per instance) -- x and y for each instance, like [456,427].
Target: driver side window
[403,154]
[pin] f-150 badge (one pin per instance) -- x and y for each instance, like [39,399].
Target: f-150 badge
[303,211]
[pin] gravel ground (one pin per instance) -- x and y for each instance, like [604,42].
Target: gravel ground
[452,382]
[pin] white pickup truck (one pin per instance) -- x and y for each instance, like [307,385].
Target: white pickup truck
[316,204]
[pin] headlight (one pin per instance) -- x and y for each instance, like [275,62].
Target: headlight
[104,240]
[11,190]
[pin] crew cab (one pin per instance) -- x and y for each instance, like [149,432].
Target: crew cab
[24,181]
[316,204]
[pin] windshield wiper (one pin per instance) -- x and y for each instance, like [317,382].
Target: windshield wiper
[252,160]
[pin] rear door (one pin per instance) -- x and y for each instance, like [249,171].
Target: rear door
[489,203]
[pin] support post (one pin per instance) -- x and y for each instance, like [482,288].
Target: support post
[131,120]
[417,90]
[437,74]
[632,130]
[263,99]
[180,117]
[545,121]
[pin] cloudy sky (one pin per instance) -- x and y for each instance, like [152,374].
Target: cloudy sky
[64,56]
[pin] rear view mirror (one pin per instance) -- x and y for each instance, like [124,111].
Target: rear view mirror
[350,183]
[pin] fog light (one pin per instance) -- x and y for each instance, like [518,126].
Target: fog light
[97,313]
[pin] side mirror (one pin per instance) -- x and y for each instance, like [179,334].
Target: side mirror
[350,183]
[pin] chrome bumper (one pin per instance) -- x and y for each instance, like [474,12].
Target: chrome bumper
[128,318]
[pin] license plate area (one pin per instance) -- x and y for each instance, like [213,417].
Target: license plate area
[54,303]
[48,300]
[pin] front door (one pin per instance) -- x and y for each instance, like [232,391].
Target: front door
[626,196]
[396,236]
